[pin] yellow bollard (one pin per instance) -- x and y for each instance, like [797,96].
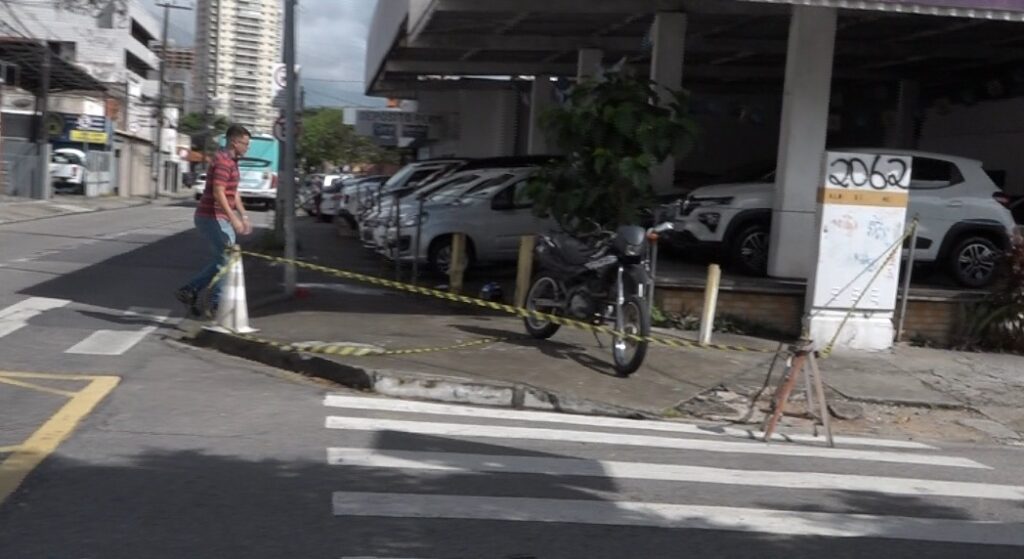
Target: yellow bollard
[707,319]
[524,269]
[458,264]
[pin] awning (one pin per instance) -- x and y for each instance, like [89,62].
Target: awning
[28,56]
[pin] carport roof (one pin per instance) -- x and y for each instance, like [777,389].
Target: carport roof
[728,41]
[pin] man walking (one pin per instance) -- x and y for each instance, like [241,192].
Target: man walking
[219,217]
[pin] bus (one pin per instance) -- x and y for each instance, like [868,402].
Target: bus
[258,170]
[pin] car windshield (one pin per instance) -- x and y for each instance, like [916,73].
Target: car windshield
[437,187]
[453,192]
[67,158]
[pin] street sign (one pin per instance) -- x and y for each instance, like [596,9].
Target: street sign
[279,80]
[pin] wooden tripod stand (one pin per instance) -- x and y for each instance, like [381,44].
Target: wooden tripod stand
[802,356]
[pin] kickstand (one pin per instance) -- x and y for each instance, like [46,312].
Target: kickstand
[600,344]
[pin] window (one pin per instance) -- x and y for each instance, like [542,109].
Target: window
[926,173]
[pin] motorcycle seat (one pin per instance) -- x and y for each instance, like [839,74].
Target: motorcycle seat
[574,251]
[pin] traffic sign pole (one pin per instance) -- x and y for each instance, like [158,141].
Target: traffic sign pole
[288,172]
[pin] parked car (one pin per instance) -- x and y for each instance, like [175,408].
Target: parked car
[357,196]
[68,169]
[328,205]
[380,228]
[493,215]
[200,185]
[309,193]
[963,226]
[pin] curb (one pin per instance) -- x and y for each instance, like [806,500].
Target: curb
[402,384]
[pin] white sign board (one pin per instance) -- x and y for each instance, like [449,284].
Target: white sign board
[397,128]
[861,222]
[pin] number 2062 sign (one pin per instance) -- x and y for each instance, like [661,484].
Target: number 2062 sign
[863,215]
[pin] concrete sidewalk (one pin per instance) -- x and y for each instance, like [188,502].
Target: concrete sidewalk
[571,372]
[14,209]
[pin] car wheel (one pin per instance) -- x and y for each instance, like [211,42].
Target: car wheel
[440,255]
[748,251]
[973,261]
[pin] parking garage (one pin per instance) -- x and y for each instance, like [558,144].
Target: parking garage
[774,84]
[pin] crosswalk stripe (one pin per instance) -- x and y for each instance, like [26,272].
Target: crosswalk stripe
[117,342]
[663,515]
[529,433]
[16,316]
[486,463]
[406,406]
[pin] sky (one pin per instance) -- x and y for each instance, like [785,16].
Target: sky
[331,48]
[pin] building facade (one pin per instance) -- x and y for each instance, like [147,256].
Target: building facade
[238,42]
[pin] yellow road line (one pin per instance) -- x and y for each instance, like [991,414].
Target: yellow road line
[47,438]
[53,376]
[6,449]
[36,387]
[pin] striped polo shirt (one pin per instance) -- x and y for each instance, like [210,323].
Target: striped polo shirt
[223,170]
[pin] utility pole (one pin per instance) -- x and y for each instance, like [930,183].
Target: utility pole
[288,172]
[42,188]
[158,136]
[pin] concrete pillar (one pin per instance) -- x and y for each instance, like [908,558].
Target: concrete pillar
[542,96]
[588,63]
[812,33]
[669,43]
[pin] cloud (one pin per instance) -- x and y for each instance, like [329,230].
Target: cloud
[330,42]
[332,50]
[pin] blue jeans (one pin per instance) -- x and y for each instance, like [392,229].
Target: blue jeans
[219,236]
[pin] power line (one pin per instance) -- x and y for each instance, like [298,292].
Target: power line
[321,93]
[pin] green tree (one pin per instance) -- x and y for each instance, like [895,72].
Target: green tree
[613,137]
[193,125]
[326,138]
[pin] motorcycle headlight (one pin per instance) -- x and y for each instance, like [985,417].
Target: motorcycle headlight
[633,250]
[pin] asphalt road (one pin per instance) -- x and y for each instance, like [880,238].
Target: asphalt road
[132,445]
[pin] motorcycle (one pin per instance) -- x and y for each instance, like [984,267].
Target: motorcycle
[601,279]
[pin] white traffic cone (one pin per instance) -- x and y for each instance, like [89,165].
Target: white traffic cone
[233,310]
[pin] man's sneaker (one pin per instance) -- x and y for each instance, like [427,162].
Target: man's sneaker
[190,299]
[210,312]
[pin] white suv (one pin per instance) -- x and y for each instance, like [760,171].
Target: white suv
[963,225]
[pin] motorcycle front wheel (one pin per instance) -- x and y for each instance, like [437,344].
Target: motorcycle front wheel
[636,321]
[544,296]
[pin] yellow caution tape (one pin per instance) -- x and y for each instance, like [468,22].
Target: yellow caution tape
[517,311]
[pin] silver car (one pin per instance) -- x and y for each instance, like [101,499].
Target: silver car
[493,215]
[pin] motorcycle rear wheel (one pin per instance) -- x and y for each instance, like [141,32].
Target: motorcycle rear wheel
[629,354]
[546,291]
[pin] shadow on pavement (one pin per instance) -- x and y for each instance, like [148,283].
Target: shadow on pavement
[169,504]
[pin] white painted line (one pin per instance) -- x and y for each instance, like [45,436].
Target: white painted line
[110,342]
[488,463]
[406,406]
[529,433]
[663,515]
[117,342]
[16,316]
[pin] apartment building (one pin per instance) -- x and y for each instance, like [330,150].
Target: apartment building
[237,44]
